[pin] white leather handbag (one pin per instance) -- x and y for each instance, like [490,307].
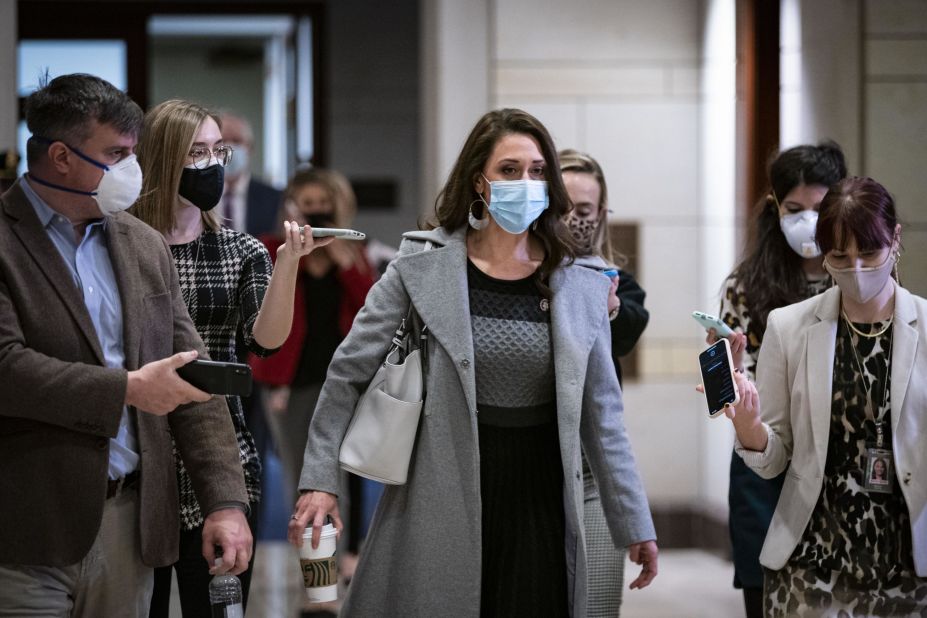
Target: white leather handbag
[379,441]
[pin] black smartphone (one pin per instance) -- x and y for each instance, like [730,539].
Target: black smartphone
[218,378]
[718,377]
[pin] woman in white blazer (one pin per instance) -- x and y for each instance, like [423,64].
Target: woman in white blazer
[840,378]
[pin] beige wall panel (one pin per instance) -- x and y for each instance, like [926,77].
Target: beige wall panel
[581,80]
[596,30]
[895,16]
[897,58]
[648,151]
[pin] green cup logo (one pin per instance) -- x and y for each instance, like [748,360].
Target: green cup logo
[319,572]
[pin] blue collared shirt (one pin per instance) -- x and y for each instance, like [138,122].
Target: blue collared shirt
[90,265]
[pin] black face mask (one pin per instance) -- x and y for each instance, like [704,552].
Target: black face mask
[203,188]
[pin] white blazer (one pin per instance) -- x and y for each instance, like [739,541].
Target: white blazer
[795,380]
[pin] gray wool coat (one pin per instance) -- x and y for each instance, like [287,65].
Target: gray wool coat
[422,556]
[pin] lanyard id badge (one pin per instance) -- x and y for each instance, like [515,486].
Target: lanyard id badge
[880,471]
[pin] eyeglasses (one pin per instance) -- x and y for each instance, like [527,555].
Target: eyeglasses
[203,157]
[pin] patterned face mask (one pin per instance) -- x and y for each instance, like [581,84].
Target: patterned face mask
[583,232]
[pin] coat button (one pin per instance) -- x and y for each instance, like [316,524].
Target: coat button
[465,363]
[577,475]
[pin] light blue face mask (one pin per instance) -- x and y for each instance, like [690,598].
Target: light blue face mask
[516,204]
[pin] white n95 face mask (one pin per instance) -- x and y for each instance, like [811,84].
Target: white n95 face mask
[120,186]
[117,190]
[799,229]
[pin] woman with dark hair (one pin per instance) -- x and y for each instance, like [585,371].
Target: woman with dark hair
[840,377]
[783,266]
[518,376]
[588,223]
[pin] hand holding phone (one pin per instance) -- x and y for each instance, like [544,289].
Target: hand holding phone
[718,381]
[218,378]
[709,321]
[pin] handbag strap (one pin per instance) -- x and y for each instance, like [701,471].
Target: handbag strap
[403,338]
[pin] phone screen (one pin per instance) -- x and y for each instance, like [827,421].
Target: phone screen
[716,376]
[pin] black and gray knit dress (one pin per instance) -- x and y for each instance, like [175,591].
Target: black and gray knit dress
[521,476]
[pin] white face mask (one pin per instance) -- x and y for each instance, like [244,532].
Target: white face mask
[799,228]
[862,284]
[120,186]
[118,189]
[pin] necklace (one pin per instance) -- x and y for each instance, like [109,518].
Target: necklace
[869,335]
[880,435]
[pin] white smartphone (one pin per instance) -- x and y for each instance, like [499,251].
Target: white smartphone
[709,321]
[717,369]
[322,232]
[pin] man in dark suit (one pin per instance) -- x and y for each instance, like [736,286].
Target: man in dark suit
[92,330]
[248,205]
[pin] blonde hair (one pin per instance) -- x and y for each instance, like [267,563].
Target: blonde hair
[581,163]
[340,193]
[166,139]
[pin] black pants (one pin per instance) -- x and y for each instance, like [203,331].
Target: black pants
[193,577]
[753,602]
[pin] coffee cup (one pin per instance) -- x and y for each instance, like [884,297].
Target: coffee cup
[319,566]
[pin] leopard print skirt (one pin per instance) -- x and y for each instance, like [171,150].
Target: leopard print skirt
[803,592]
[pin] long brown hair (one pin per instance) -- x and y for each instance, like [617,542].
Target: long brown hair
[453,202]
[167,135]
[771,274]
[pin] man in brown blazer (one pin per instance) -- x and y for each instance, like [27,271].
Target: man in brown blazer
[92,330]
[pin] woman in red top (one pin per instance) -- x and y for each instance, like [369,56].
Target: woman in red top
[330,289]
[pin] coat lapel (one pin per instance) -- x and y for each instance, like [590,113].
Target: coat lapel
[821,344]
[578,309]
[904,349]
[34,238]
[436,281]
[125,265]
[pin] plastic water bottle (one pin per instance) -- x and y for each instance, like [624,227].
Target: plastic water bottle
[225,595]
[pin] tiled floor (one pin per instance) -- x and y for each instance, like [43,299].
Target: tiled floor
[691,584]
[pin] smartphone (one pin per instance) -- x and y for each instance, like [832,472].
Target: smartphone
[718,377]
[322,232]
[611,272]
[218,378]
[709,321]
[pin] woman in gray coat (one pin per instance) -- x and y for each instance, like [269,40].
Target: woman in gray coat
[518,376]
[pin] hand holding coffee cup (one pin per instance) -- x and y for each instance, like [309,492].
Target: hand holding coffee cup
[311,509]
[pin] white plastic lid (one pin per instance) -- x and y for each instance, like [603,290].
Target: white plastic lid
[328,530]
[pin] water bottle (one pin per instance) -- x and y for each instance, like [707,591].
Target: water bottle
[225,595]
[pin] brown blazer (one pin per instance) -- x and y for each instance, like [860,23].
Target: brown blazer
[59,404]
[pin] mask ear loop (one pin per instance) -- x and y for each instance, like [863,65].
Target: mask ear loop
[772,199]
[895,265]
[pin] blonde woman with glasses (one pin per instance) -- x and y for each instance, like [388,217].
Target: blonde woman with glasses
[225,278]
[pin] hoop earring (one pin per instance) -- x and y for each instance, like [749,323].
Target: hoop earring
[476,224]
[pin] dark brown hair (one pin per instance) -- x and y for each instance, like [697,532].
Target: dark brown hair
[66,107]
[771,274]
[453,202]
[858,208]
